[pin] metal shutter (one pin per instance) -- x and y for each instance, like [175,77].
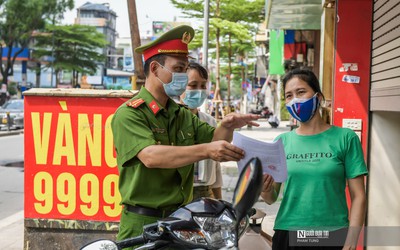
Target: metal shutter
[385,68]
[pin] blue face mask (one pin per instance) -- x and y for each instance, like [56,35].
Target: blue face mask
[177,85]
[195,97]
[303,109]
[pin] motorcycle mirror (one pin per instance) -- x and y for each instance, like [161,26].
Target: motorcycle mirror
[247,190]
[101,244]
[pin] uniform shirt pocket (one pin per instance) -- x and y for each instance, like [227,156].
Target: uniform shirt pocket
[185,136]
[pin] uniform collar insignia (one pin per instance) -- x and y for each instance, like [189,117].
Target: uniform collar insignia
[154,107]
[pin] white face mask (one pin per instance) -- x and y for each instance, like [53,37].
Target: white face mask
[177,85]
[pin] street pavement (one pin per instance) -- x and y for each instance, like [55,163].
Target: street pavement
[12,227]
[11,132]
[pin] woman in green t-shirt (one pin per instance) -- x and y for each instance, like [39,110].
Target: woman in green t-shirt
[321,159]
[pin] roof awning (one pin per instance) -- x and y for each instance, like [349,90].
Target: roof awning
[294,14]
[114,72]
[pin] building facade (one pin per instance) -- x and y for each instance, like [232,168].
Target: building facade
[104,19]
[360,71]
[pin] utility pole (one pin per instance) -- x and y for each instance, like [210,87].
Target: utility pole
[135,40]
[203,107]
[217,95]
[205,33]
[52,59]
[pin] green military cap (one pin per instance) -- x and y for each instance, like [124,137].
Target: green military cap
[174,41]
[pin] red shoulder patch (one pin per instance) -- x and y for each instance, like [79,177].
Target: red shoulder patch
[154,107]
[135,103]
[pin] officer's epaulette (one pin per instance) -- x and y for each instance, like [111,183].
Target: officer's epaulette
[135,103]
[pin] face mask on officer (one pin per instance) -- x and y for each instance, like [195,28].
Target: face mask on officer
[303,109]
[194,98]
[177,85]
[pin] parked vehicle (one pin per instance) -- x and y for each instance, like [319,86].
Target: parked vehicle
[12,114]
[264,112]
[203,224]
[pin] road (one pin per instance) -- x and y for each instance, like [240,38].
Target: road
[12,185]
[11,149]
[11,190]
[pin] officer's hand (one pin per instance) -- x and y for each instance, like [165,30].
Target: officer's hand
[224,151]
[235,120]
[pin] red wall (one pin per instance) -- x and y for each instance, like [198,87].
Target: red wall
[353,45]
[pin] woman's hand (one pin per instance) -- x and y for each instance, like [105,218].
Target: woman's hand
[270,189]
[268,182]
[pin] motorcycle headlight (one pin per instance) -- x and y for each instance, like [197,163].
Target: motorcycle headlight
[215,232]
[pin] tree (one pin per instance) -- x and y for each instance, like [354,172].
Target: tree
[229,20]
[135,40]
[18,20]
[75,48]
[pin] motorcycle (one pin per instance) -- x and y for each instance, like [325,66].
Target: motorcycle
[206,223]
[264,112]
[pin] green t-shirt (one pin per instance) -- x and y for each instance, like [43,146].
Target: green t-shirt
[142,122]
[318,166]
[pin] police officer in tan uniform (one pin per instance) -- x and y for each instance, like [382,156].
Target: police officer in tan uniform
[157,141]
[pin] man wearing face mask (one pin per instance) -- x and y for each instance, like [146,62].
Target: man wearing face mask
[157,141]
[207,173]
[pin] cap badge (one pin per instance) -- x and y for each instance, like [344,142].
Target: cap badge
[186,38]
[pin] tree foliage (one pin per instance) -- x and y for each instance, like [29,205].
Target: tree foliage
[18,20]
[73,48]
[246,11]
[235,21]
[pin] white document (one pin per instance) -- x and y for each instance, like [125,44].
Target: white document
[271,154]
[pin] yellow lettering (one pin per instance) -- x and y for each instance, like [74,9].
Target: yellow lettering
[66,193]
[110,159]
[64,134]
[43,192]
[41,136]
[89,193]
[85,138]
[111,196]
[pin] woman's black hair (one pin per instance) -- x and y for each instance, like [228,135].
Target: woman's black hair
[306,75]
[202,71]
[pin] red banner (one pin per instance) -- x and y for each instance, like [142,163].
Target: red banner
[70,163]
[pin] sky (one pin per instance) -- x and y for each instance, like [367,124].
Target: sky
[147,11]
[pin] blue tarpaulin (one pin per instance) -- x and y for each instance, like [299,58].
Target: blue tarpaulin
[24,55]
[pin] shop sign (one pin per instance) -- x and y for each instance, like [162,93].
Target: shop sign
[70,162]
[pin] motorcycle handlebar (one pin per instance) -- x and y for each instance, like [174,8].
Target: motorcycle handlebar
[139,240]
